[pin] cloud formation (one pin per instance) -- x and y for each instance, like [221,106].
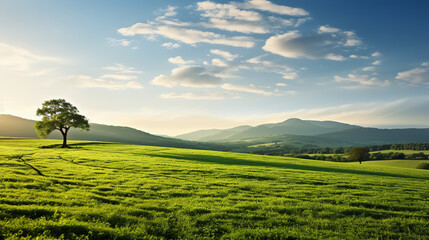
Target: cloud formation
[193,96]
[246,88]
[171,45]
[84,81]
[327,43]
[20,59]
[120,77]
[416,76]
[227,55]
[119,42]
[186,35]
[361,81]
[189,76]
[275,8]
[179,60]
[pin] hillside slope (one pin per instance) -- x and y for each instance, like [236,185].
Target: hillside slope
[212,134]
[12,126]
[118,191]
[344,138]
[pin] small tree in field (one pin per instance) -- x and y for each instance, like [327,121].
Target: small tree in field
[359,154]
[57,114]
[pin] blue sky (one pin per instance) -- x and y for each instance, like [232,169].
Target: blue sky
[169,67]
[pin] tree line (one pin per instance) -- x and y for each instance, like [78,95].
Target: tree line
[282,150]
[372,156]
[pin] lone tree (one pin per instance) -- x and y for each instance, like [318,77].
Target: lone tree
[359,154]
[57,114]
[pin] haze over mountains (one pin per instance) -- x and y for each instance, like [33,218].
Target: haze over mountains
[307,133]
[293,126]
[292,132]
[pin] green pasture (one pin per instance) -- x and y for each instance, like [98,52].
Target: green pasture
[97,190]
[396,163]
[406,152]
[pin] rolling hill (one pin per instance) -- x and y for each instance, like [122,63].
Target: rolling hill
[344,138]
[292,132]
[212,134]
[117,191]
[12,126]
[293,126]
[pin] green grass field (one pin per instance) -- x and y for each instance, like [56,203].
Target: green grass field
[397,163]
[117,191]
[407,152]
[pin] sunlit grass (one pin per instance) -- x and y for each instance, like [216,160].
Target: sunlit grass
[397,163]
[117,191]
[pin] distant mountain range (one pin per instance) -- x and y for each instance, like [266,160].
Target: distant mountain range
[292,132]
[293,126]
[307,133]
[12,126]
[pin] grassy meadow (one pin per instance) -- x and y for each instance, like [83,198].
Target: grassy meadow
[100,190]
[397,163]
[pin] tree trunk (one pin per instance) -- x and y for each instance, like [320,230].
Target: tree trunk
[64,133]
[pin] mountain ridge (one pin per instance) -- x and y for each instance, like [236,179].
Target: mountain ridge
[294,133]
[13,126]
[293,126]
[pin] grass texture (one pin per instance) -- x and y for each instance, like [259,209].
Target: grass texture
[97,190]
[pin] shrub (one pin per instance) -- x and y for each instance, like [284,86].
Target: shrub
[423,166]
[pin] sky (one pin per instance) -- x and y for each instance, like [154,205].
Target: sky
[171,67]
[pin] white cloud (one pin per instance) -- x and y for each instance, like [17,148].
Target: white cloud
[218,62]
[171,45]
[119,42]
[368,69]
[378,62]
[255,60]
[356,56]
[267,66]
[242,88]
[321,45]
[192,96]
[84,81]
[327,29]
[281,84]
[376,54]
[360,81]
[230,18]
[335,57]
[416,76]
[289,75]
[274,8]
[20,59]
[179,60]
[170,11]
[236,26]
[227,55]
[185,35]
[226,11]
[120,68]
[189,76]
[118,76]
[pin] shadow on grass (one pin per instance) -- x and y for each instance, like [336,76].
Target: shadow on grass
[75,145]
[256,163]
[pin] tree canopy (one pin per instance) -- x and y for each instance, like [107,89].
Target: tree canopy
[359,154]
[58,114]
